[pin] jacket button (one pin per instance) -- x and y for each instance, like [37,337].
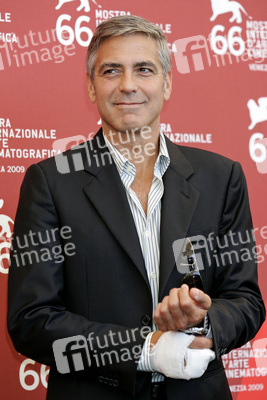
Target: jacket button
[146,320]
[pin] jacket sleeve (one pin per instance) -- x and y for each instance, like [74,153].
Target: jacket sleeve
[37,315]
[237,310]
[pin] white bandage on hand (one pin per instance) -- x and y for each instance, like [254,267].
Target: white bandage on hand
[197,361]
[172,358]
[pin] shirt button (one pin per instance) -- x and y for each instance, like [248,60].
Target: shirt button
[152,275]
[147,233]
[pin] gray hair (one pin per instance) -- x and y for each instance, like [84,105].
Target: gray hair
[123,26]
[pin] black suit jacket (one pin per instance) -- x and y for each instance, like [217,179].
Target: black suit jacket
[101,287]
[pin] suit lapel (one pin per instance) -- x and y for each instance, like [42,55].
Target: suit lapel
[106,192]
[178,205]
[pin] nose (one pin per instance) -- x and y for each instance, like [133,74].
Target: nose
[128,82]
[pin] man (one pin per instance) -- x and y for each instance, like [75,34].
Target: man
[131,195]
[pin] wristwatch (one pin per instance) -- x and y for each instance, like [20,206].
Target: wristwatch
[196,331]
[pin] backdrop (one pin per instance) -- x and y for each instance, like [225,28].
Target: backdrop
[219,103]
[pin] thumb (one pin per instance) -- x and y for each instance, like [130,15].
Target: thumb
[201,299]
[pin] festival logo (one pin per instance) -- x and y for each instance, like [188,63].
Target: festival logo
[257,111]
[257,142]
[5,239]
[249,44]
[242,39]
[84,4]
[79,28]
[220,7]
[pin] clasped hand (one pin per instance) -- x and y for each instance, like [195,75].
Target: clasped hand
[182,309]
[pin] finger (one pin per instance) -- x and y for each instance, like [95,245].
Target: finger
[179,319]
[193,312]
[187,303]
[157,318]
[201,299]
[163,317]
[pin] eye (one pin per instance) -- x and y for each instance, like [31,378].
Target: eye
[109,71]
[145,71]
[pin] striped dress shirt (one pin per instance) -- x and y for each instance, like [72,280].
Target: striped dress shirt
[148,230]
[147,226]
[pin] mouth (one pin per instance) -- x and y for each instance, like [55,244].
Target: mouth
[126,104]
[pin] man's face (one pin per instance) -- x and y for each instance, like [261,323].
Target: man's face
[129,86]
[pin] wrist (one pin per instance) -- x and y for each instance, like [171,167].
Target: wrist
[195,330]
[155,337]
[200,329]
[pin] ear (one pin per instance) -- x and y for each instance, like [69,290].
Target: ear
[167,86]
[90,88]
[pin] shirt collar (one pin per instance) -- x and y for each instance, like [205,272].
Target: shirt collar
[125,166]
[163,160]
